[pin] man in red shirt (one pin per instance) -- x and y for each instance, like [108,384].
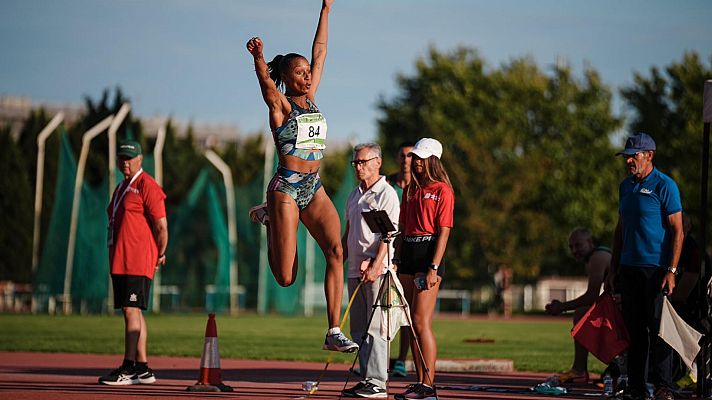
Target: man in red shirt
[137,238]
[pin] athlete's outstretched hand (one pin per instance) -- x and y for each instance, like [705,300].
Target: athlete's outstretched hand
[255,46]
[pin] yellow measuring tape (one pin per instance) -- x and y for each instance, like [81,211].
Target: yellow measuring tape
[341,326]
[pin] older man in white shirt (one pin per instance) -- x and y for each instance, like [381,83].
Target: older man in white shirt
[368,260]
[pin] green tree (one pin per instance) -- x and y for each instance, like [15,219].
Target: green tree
[16,217]
[667,104]
[528,154]
[96,111]
[181,164]
[245,158]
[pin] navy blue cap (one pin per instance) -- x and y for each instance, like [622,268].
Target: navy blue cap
[637,143]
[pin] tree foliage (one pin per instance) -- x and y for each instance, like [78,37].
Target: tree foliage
[16,217]
[528,153]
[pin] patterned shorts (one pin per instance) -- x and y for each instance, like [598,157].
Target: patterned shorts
[300,186]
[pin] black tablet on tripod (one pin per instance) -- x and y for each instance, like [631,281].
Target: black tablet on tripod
[379,222]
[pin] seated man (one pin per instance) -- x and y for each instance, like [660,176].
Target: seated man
[596,261]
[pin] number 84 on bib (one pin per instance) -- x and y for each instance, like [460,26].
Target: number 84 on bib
[311,131]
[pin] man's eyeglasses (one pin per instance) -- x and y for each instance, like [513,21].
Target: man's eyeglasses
[354,163]
[635,155]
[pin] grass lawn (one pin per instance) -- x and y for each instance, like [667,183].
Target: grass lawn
[533,344]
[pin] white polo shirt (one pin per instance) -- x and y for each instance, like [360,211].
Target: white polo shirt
[362,243]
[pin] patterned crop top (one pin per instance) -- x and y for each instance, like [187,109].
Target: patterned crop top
[304,133]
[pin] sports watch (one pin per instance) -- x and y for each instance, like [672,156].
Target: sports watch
[434,267]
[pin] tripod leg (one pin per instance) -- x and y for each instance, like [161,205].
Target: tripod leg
[418,357]
[372,298]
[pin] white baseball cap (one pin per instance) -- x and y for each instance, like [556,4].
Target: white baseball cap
[427,147]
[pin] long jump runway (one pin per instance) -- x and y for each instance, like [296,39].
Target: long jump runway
[53,376]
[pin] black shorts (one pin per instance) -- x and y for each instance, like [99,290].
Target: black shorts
[417,256]
[131,291]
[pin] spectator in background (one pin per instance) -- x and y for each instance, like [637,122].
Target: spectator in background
[596,261]
[503,290]
[646,252]
[400,180]
[137,240]
[368,261]
[426,219]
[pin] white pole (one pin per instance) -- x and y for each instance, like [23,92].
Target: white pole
[231,224]
[262,273]
[86,140]
[158,163]
[113,128]
[41,139]
[39,185]
[158,154]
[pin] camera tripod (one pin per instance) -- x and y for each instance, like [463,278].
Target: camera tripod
[390,298]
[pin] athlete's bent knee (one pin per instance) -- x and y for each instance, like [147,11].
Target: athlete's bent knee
[284,280]
[334,252]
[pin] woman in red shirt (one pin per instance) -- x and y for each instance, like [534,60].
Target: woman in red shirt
[426,218]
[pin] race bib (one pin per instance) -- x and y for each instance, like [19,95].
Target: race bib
[311,131]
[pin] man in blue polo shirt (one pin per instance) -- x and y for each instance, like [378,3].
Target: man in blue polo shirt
[646,250]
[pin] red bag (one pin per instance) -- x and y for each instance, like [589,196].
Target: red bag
[602,330]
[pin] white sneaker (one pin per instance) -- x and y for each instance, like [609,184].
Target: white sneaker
[339,342]
[119,377]
[146,377]
[259,214]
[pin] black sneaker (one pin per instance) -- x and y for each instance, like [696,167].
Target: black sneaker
[120,377]
[664,394]
[146,377]
[417,391]
[371,391]
[351,392]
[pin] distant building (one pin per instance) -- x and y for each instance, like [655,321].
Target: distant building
[14,110]
[562,288]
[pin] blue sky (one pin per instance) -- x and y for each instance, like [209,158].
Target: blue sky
[187,58]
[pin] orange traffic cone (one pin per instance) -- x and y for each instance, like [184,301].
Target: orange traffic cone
[210,379]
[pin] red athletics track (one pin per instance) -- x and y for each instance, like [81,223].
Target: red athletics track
[54,376]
